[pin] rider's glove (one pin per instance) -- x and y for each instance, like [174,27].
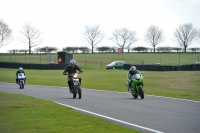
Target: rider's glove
[64,73]
[81,71]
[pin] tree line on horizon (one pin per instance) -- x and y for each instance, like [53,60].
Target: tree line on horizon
[103,49]
[124,38]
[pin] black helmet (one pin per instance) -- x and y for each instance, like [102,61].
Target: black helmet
[133,70]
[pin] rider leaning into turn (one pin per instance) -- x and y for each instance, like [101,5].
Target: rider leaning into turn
[133,70]
[71,69]
[20,70]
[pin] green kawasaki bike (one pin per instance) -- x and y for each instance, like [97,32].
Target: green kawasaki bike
[137,86]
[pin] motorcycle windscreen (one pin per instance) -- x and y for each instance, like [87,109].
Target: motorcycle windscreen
[136,76]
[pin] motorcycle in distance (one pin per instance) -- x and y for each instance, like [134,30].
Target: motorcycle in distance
[21,80]
[136,86]
[76,88]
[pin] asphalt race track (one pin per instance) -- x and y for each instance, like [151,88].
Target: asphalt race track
[152,114]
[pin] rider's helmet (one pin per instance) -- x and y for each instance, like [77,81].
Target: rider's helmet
[20,69]
[72,62]
[133,70]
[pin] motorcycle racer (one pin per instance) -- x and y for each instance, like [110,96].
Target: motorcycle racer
[71,69]
[20,70]
[133,70]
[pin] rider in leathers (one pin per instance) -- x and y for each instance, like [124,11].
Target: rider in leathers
[20,70]
[71,69]
[133,70]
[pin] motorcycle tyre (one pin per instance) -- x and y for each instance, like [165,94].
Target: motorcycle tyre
[74,95]
[134,95]
[79,92]
[141,92]
[74,91]
[21,85]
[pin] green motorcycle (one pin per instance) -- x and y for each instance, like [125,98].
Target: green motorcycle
[137,86]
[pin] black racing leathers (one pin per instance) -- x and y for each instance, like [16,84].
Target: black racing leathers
[71,70]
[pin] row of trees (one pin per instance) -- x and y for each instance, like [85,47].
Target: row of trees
[184,35]
[103,49]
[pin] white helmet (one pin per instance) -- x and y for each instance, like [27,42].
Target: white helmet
[72,62]
[20,68]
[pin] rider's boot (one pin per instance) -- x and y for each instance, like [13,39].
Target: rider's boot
[127,86]
[70,89]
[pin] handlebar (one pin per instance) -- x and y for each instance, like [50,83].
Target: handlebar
[79,72]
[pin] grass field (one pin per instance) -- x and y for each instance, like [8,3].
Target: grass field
[98,61]
[20,115]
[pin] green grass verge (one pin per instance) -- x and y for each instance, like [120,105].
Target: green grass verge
[25,114]
[176,84]
[98,61]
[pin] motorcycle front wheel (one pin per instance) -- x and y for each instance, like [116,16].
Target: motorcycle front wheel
[21,84]
[141,92]
[79,92]
[74,91]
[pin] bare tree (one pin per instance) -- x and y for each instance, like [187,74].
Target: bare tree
[84,49]
[13,51]
[198,34]
[93,35]
[184,35]
[124,36]
[71,49]
[194,49]
[164,49]
[23,50]
[140,49]
[114,49]
[30,36]
[177,49]
[5,34]
[103,49]
[154,36]
[50,49]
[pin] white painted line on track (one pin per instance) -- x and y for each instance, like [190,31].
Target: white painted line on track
[110,118]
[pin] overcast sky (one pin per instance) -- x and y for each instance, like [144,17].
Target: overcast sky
[62,22]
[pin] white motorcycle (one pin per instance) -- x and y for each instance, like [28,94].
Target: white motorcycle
[75,82]
[21,80]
